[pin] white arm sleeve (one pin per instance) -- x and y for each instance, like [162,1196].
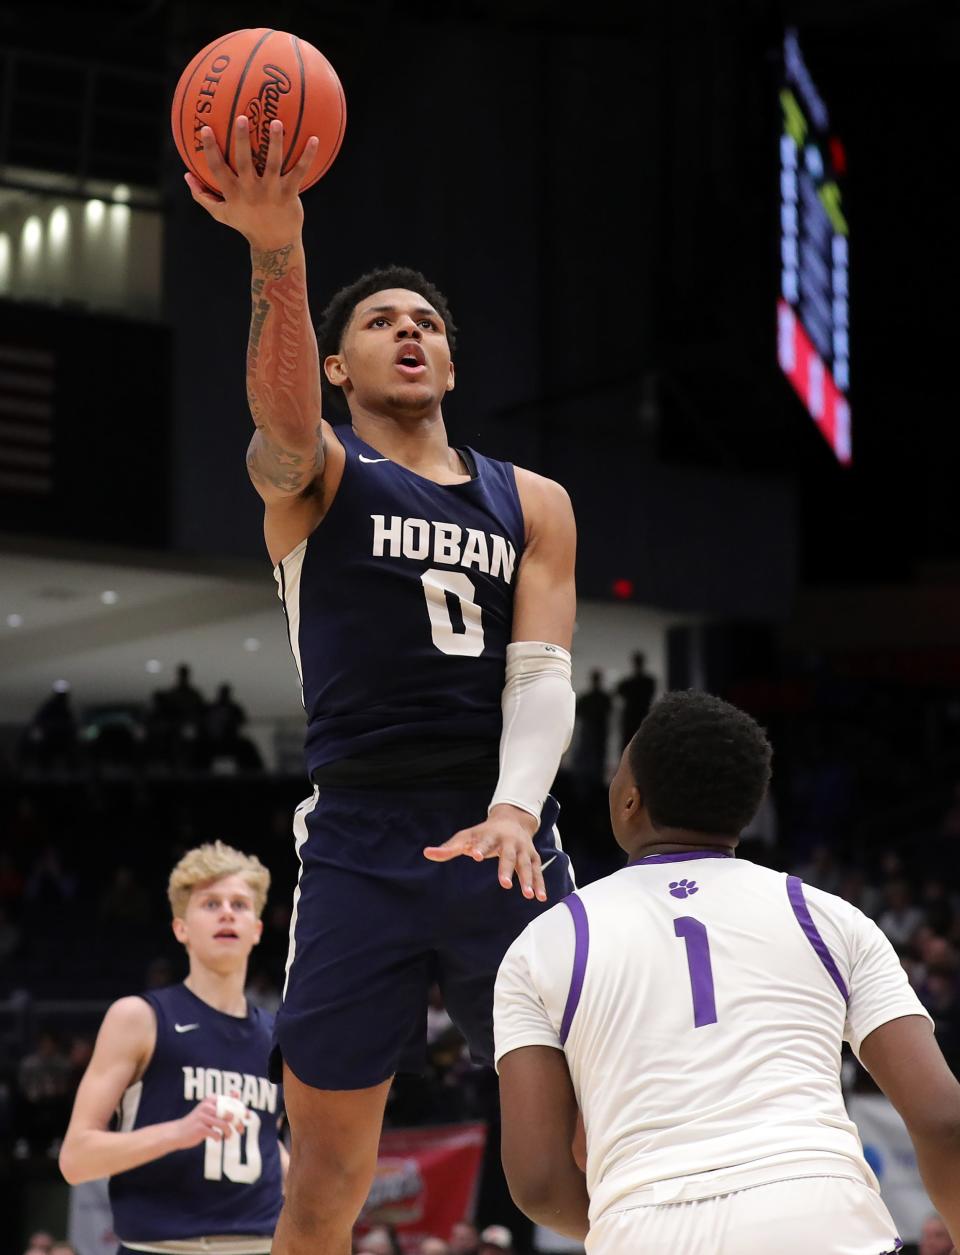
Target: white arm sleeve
[538,709]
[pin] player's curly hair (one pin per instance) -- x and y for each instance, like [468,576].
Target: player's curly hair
[334,319]
[700,763]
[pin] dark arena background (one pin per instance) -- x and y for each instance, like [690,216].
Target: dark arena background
[703,261]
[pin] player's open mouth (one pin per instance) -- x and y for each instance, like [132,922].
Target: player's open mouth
[411,361]
[226,935]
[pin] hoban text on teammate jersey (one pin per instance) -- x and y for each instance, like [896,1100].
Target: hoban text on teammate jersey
[254,1091]
[444,544]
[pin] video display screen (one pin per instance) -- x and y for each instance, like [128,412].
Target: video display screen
[813,340]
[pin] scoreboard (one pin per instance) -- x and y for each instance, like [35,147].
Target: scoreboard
[813,341]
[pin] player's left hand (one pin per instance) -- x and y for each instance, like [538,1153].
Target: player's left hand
[506,834]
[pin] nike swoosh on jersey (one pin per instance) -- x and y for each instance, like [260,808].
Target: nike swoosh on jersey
[544,866]
[184,1028]
[363,459]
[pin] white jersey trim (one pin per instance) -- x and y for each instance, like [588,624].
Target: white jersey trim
[300,834]
[287,574]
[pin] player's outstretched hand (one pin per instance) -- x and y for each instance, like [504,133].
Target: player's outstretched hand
[506,834]
[203,1122]
[265,208]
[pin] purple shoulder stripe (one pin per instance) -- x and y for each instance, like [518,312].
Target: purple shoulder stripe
[580,951]
[805,920]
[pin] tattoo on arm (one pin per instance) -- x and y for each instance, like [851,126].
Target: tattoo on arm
[283,377]
[272,261]
[283,469]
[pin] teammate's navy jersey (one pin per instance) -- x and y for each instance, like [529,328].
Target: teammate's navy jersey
[400,606]
[216,1188]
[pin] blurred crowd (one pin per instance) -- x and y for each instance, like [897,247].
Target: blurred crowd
[177,730]
[464,1239]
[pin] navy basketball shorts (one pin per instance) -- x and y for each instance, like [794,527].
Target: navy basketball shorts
[374,924]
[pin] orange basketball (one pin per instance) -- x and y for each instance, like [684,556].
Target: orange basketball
[265,74]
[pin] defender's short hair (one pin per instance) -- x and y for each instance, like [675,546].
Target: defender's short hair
[700,763]
[205,864]
[334,319]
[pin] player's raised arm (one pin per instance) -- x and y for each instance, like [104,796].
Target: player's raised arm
[904,1059]
[286,455]
[90,1150]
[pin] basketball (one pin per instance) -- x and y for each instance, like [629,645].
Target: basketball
[264,74]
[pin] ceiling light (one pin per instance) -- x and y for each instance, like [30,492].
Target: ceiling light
[251,644]
[93,212]
[31,236]
[109,597]
[14,620]
[154,665]
[58,226]
[121,193]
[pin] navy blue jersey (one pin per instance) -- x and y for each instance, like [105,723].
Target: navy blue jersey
[216,1188]
[400,606]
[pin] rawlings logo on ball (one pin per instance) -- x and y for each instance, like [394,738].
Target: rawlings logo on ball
[263,108]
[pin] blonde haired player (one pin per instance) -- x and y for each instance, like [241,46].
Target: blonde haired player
[193,1158]
[693,1006]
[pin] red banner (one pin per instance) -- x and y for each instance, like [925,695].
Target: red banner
[426,1181]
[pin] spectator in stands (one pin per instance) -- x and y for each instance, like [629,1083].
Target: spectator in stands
[592,733]
[636,695]
[175,725]
[381,1240]
[79,1055]
[41,1240]
[224,718]
[44,1081]
[855,889]
[51,736]
[900,917]
[124,903]
[939,905]
[434,1246]
[821,869]
[464,1239]
[49,886]
[495,1239]
[160,973]
[934,1238]
[939,994]
[11,882]
[10,936]
[63,1248]
[261,990]
[160,725]
[186,703]
[950,823]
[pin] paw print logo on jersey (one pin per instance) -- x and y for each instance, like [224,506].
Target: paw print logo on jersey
[682,888]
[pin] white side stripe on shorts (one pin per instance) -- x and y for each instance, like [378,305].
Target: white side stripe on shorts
[300,835]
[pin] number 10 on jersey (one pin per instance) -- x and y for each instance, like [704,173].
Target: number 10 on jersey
[223,1159]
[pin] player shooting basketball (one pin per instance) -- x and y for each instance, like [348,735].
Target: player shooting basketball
[429,595]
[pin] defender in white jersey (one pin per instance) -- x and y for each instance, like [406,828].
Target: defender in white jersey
[692,1007]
